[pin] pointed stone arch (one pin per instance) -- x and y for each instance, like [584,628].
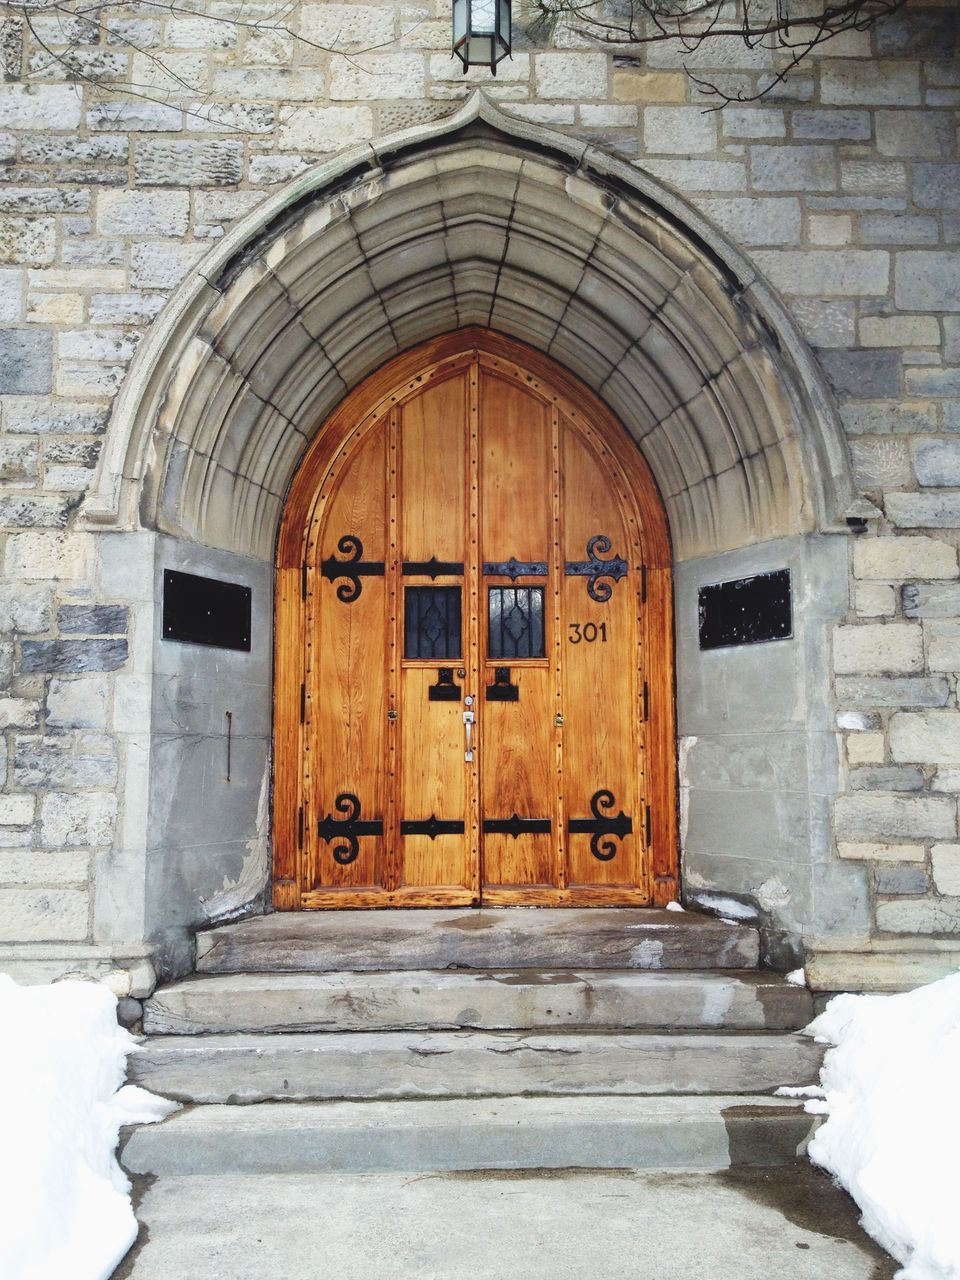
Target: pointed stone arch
[479,219]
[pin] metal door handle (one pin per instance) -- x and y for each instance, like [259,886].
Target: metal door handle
[468,722]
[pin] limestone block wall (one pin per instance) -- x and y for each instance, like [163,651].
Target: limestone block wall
[842,186]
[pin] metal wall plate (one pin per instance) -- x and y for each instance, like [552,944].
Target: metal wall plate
[746,610]
[206,611]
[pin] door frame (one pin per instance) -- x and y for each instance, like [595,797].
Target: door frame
[403,375]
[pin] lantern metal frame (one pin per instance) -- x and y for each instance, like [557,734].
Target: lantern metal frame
[482,48]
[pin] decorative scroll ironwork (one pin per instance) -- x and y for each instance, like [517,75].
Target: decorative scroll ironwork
[432,622]
[514,569]
[353,568]
[516,826]
[433,568]
[515,622]
[347,830]
[445,690]
[431,827]
[596,569]
[502,689]
[602,829]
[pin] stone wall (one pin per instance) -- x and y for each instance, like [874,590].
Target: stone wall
[842,186]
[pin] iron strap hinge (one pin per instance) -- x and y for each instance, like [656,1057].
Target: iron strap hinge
[303,703]
[643,584]
[303,581]
[646,701]
[300,828]
[647,823]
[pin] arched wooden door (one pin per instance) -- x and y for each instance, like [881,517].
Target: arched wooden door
[474,692]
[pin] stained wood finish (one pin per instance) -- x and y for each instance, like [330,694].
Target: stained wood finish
[473,451]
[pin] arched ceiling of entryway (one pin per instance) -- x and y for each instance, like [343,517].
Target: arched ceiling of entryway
[478,220]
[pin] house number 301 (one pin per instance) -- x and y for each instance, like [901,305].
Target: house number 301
[588,632]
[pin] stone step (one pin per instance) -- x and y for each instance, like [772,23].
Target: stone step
[447,999]
[508,938]
[464,1134]
[447,1064]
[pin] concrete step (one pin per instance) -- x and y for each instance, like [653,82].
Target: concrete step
[446,999]
[463,1134]
[509,938]
[449,1064]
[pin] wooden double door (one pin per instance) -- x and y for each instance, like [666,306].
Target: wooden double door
[474,684]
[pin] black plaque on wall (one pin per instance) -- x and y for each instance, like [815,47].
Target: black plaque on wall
[746,611]
[205,611]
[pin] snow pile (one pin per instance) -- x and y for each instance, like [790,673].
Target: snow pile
[64,1201]
[891,1092]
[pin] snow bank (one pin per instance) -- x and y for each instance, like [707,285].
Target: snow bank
[891,1092]
[64,1201]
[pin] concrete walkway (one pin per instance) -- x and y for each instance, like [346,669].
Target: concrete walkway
[790,1223]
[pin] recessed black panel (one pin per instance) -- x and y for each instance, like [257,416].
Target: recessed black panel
[205,611]
[746,611]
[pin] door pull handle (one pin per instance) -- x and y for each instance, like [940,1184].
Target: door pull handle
[468,722]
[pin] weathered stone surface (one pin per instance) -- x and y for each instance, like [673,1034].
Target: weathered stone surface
[23,608]
[73,655]
[367,76]
[920,915]
[931,600]
[826,273]
[34,511]
[439,1000]
[18,713]
[863,373]
[683,130]
[37,868]
[43,915]
[619,938]
[826,323]
[877,647]
[881,815]
[865,748]
[137,213]
[622,1133]
[923,510]
[928,737]
[927,280]
[898,558]
[882,463]
[894,880]
[839,126]
[898,228]
[873,851]
[17,810]
[870,83]
[796,168]
[936,186]
[163,264]
[25,361]
[945,860]
[937,463]
[39,106]
[905,691]
[425,1064]
[757,220]
[556,72]
[77,820]
[916,134]
[325,128]
[78,703]
[179,164]
[139,116]
[48,762]
[886,779]
[93,619]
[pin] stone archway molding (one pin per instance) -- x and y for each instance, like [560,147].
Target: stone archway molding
[479,218]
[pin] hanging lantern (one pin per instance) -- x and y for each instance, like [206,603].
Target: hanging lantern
[481,32]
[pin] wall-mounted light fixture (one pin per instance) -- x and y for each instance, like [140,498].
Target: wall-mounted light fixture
[481,32]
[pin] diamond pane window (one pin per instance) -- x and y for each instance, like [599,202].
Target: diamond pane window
[515,619]
[431,622]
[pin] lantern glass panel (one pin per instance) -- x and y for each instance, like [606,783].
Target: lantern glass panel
[505,32]
[461,8]
[480,51]
[483,16]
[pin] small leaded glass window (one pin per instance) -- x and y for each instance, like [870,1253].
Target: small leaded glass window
[515,618]
[431,622]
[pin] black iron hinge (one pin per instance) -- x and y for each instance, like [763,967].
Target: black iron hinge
[300,828]
[647,823]
[643,584]
[303,581]
[646,701]
[303,703]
